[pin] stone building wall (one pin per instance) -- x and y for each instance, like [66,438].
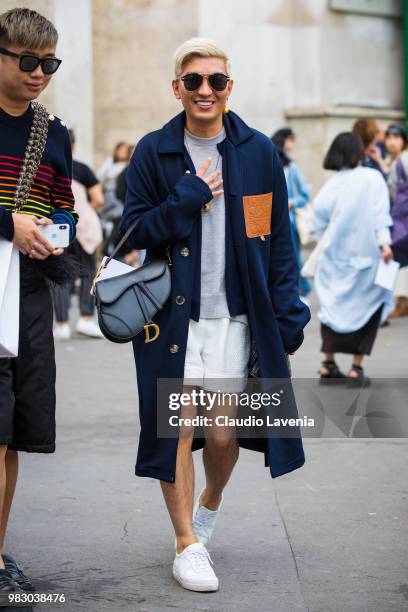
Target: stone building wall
[133,44]
[300,63]
[294,62]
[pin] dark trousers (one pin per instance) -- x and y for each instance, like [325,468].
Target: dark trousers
[27,382]
[62,294]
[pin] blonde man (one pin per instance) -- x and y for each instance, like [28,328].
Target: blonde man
[202,188]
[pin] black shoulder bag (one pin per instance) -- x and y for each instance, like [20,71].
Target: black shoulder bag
[127,303]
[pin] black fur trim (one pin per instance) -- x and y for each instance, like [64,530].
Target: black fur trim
[61,270]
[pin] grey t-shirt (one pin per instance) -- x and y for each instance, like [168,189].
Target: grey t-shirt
[213,296]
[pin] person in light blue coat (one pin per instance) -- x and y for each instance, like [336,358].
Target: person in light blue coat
[298,193]
[352,211]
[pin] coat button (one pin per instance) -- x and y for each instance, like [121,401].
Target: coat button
[185,252]
[174,348]
[180,299]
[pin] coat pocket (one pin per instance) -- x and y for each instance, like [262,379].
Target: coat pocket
[257,214]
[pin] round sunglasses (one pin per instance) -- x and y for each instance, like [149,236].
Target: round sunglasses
[216,81]
[29,63]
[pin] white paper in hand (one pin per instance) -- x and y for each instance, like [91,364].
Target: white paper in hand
[114,268]
[387,274]
[9,298]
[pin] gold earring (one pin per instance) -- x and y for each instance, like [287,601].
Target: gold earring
[226,109]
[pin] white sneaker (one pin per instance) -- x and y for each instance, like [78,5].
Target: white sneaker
[192,569]
[204,520]
[88,327]
[62,331]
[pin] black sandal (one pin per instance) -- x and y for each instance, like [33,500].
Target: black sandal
[334,373]
[359,381]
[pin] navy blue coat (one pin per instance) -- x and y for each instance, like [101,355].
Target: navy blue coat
[168,203]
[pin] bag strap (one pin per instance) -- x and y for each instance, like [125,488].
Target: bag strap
[33,154]
[121,242]
[104,263]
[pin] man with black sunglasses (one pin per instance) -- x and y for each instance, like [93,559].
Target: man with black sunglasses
[35,177]
[211,192]
[28,62]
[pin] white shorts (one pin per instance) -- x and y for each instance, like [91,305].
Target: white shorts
[217,353]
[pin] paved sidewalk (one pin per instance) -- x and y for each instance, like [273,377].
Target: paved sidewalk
[331,536]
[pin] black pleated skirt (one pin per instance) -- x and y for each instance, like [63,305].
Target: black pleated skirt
[359,342]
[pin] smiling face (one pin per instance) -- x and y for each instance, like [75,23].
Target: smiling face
[19,86]
[204,106]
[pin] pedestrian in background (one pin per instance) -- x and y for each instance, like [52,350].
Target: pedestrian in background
[298,193]
[114,164]
[353,211]
[380,138]
[395,143]
[130,256]
[89,199]
[109,173]
[398,184]
[369,131]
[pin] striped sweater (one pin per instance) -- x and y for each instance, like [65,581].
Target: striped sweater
[51,194]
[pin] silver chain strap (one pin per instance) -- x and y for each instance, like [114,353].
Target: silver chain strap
[33,154]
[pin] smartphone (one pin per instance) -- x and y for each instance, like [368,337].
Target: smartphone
[57,234]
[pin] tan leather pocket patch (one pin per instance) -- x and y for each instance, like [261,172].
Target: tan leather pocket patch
[258,213]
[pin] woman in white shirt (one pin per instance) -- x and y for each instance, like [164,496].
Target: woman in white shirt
[354,207]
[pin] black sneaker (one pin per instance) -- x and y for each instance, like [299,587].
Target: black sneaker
[7,584]
[17,574]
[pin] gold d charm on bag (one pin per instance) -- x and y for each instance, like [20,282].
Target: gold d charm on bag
[147,333]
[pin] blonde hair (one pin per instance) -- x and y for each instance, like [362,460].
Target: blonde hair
[198,47]
[26,28]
